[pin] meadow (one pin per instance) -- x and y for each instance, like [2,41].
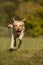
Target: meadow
[30,52]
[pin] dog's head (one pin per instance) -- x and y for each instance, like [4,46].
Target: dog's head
[18,25]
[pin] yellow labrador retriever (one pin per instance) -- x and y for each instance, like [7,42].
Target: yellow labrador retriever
[18,32]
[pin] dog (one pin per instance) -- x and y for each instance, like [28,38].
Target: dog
[18,29]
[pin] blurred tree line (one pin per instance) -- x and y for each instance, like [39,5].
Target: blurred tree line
[31,10]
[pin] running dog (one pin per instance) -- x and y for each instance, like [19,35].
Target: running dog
[17,32]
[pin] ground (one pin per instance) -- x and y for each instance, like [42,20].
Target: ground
[30,52]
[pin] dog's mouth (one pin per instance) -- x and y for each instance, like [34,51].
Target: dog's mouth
[18,31]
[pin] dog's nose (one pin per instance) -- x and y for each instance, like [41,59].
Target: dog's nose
[18,29]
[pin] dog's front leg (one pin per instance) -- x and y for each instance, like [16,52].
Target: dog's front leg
[12,42]
[21,35]
[20,38]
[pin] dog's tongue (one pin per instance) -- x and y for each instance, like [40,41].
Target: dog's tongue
[18,32]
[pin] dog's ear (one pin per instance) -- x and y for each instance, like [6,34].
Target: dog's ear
[13,19]
[23,19]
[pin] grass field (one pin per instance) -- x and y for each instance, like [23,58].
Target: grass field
[30,52]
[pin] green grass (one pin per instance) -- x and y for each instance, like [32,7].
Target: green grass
[30,52]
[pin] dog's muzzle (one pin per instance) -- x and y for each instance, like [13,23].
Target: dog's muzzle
[18,31]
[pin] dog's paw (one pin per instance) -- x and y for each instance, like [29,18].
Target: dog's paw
[11,49]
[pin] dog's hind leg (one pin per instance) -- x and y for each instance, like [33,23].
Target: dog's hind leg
[15,42]
[20,42]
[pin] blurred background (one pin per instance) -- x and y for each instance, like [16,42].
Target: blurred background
[31,10]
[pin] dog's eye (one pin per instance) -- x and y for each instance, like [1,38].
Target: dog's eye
[21,25]
[15,25]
